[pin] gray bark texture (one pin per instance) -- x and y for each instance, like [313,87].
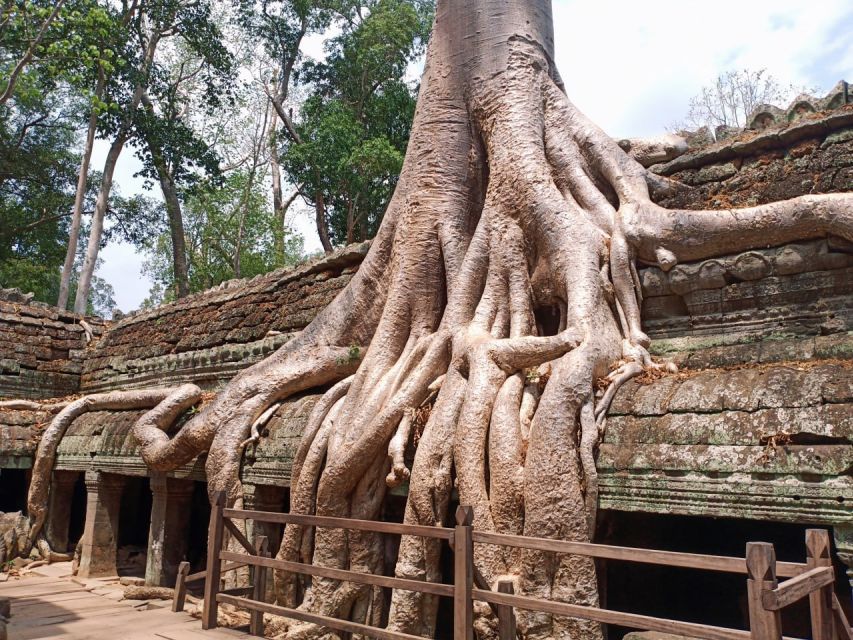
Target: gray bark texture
[509,200]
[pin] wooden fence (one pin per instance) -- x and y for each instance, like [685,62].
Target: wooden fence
[813,579]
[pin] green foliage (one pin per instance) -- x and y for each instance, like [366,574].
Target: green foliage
[83,36]
[38,177]
[280,25]
[355,124]
[197,77]
[38,172]
[223,225]
[43,281]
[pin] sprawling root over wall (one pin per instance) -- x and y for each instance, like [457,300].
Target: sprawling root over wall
[510,201]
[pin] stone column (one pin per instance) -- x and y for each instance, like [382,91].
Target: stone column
[262,497]
[844,548]
[59,509]
[100,534]
[170,521]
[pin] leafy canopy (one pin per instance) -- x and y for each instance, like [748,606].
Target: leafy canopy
[355,123]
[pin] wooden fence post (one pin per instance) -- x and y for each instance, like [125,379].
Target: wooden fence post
[506,615]
[181,587]
[214,565]
[820,602]
[761,569]
[259,590]
[463,574]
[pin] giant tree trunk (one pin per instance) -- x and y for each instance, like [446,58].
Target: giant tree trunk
[509,201]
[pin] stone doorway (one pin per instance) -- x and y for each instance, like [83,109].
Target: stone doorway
[692,595]
[66,512]
[133,528]
[13,490]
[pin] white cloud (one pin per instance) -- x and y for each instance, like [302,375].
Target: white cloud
[631,67]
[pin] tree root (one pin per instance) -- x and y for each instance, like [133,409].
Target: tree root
[50,439]
[32,405]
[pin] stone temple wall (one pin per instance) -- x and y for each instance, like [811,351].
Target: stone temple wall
[42,348]
[207,337]
[759,423]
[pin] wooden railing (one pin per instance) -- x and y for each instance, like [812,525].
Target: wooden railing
[813,579]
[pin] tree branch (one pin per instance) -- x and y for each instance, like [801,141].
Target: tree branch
[285,117]
[19,68]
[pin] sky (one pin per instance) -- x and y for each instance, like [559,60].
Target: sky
[632,67]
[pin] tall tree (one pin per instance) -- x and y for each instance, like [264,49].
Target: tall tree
[59,45]
[510,202]
[227,226]
[190,20]
[230,227]
[282,26]
[77,213]
[195,81]
[97,58]
[348,147]
[37,173]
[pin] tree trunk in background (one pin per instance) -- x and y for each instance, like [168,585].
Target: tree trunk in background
[84,284]
[173,210]
[322,223]
[176,226]
[87,271]
[277,201]
[77,216]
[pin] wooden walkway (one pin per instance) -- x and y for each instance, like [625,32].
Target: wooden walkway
[60,609]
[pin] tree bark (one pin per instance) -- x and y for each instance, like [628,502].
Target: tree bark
[278,98]
[176,227]
[84,283]
[277,200]
[322,223]
[77,215]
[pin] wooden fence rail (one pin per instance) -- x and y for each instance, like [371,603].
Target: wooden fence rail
[766,596]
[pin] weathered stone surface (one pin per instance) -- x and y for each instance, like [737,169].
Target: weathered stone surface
[770,442]
[713,173]
[207,337]
[821,164]
[41,348]
[804,287]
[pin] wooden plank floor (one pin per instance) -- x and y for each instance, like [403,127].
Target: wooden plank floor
[59,609]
